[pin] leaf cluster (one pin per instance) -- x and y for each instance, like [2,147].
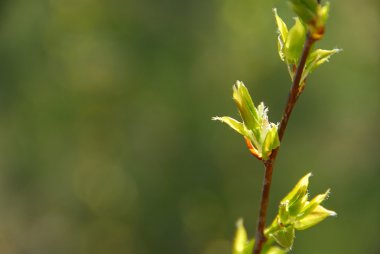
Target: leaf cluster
[260,135]
[290,44]
[296,212]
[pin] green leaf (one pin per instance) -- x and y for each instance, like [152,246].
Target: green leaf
[297,207]
[283,34]
[285,237]
[271,142]
[317,58]
[241,243]
[283,213]
[255,128]
[234,124]
[305,9]
[316,216]
[245,105]
[323,13]
[248,247]
[310,4]
[282,28]
[294,43]
[299,191]
[316,201]
[275,250]
[240,237]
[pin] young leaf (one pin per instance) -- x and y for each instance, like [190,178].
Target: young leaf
[283,213]
[285,237]
[282,28]
[245,105]
[305,9]
[299,191]
[283,34]
[275,250]
[316,201]
[323,13]
[298,206]
[294,42]
[316,58]
[241,243]
[240,237]
[271,142]
[234,124]
[260,135]
[316,216]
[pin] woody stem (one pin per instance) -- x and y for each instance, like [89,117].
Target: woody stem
[292,99]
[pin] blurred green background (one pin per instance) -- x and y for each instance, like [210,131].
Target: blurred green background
[106,142]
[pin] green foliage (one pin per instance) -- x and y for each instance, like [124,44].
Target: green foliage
[290,45]
[305,9]
[284,236]
[295,212]
[315,59]
[312,14]
[241,243]
[260,134]
[294,42]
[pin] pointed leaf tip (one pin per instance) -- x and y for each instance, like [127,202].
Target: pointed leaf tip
[245,105]
[281,26]
[282,34]
[316,216]
[240,236]
[299,190]
[241,243]
[316,201]
[234,124]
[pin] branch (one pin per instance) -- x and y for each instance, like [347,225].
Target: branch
[295,91]
[292,99]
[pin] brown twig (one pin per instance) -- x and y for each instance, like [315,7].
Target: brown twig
[292,99]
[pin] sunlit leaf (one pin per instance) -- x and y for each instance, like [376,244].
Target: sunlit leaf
[323,13]
[285,237]
[295,41]
[299,191]
[283,34]
[316,201]
[282,28]
[305,9]
[260,135]
[275,250]
[234,124]
[283,213]
[317,58]
[271,142]
[241,243]
[245,105]
[316,216]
